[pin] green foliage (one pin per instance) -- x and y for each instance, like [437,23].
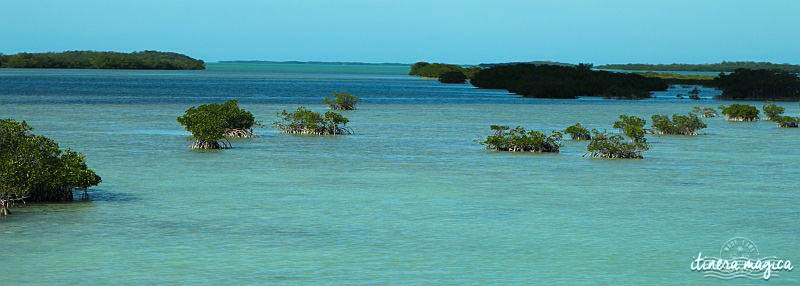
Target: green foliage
[34,167]
[519,140]
[615,147]
[453,77]
[786,121]
[578,132]
[305,121]
[772,110]
[718,67]
[679,125]
[341,101]
[102,60]
[740,112]
[436,70]
[705,111]
[210,123]
[745,84]
[551,81]
[632,127]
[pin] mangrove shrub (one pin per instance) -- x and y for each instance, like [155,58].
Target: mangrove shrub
[211,123]
[632,127]
[33,168]
[679,125]
[772,110]
[341,101]
[740,112]
[578,132]
[614,146]
[705,111]
[305,121]
[519,140]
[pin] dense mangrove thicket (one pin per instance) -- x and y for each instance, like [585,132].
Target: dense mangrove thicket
[678,125]
[33,168]
[614,146]
[519,140]
[307,122]
[436,70]
[341,101]
[705,112]
[211,123]
[717,67]
[578,132]
[746,84]
[453,77]
[740,112]
[632,127]
[551,81]
[102,60]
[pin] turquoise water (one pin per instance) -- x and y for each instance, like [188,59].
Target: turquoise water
[411,198]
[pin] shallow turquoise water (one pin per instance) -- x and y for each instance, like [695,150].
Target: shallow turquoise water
[411,198]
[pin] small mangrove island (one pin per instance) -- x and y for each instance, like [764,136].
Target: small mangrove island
[438,70]
[632,127]
[578,132]
[341,101]
[774,113]
[34,169]
[306,122]
[144,60]
[210,124]
[717,67]
[679,124]
[555,81]
[615,146]
[739,112]
[520,140]
[705,112]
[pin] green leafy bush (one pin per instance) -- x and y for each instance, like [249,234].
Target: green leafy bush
[305,121]
[615,147]
[632,127]
[679,125]
[519,140]
[211,123]
[786,121]
[772,110]
[341,101]
[578,132]
[740,112]
[35,169]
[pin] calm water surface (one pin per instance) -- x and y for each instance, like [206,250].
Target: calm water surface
[411,198]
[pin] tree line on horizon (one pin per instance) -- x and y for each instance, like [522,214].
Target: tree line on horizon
[724,66]
[150,60]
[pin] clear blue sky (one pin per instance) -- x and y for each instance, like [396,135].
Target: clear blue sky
[459,31]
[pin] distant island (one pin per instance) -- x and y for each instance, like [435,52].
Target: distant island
[718,67]
[313,63]
[144,60]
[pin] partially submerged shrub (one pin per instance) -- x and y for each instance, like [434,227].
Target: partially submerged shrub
[578,132]
[705,111]
[632,127]
[305,121]
[453,77]
[35,169]
[211,123]
[786,121]
[679,125]
[614,146]
[772,110]
[740,112]
[341,101]
[519,140]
